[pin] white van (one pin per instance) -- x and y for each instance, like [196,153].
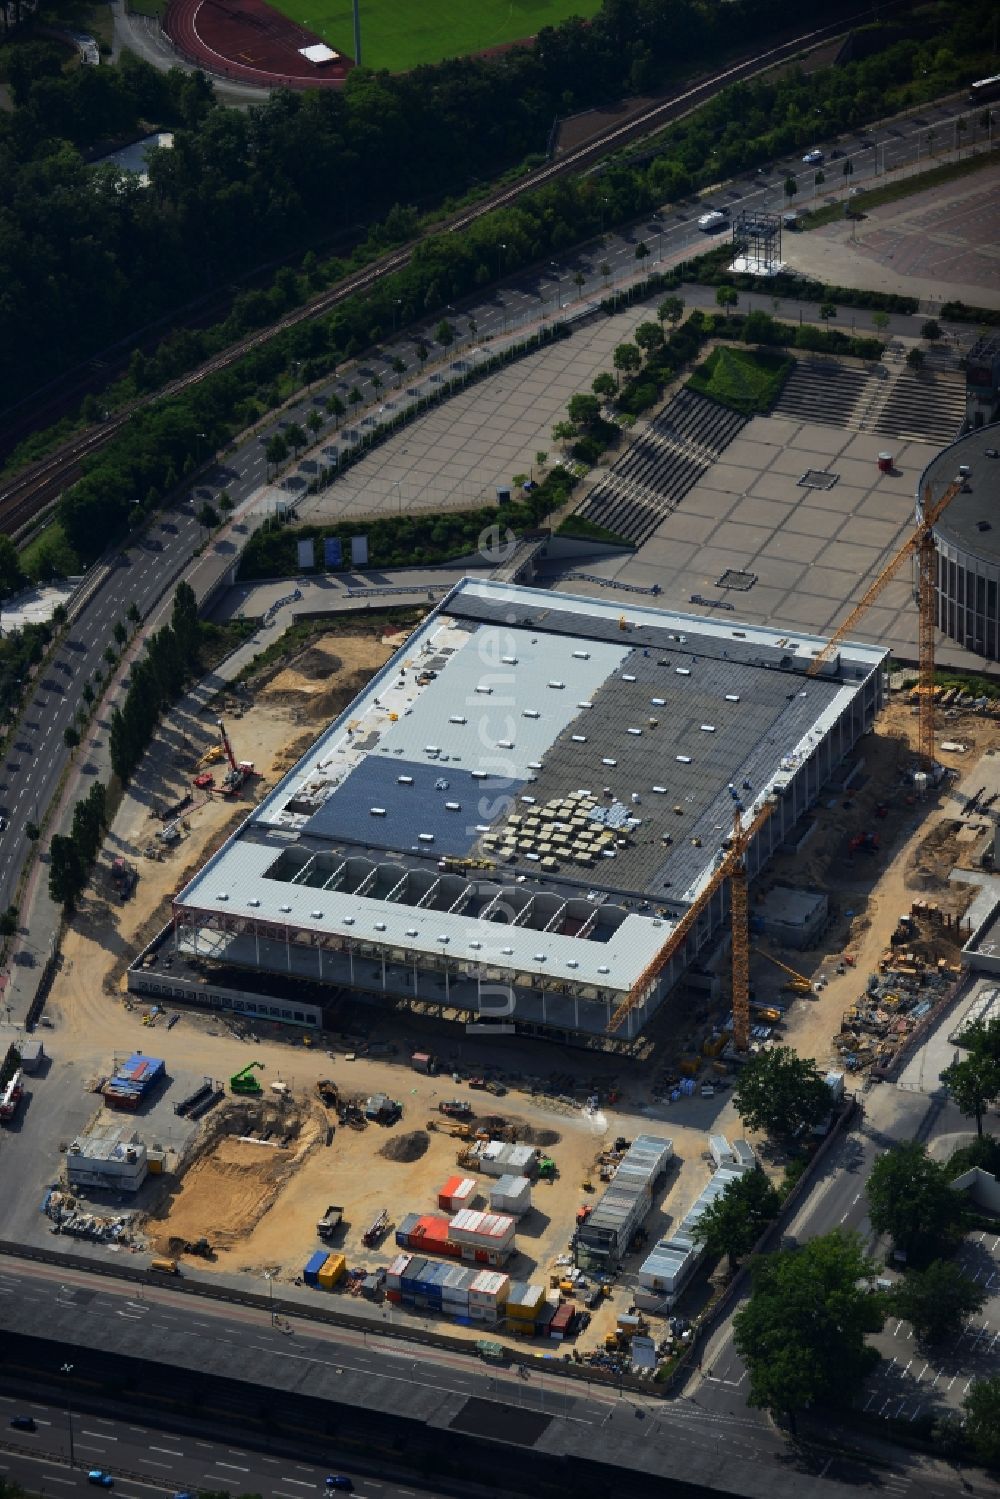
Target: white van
[712,220]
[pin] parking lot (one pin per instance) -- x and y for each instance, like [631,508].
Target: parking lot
[912,1381]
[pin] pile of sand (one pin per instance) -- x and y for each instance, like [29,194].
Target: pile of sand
[407,1148]
[527,1134]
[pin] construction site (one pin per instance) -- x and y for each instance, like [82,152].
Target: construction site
[453,939]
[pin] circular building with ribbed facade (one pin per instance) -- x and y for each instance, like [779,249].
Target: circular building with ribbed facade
[968,540]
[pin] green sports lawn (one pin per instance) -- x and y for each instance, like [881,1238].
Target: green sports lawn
[399,34]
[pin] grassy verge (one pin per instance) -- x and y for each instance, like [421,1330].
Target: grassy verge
[49,555]
[745,381]
[576,526]
[892,192]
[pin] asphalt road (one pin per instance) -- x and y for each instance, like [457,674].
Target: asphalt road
[58,1455]
[32,769]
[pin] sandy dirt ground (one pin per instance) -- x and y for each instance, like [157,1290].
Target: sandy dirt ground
[921,844]
[258,1205]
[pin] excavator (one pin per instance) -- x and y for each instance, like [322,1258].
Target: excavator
[244,1080]
[798,983]
[239,770]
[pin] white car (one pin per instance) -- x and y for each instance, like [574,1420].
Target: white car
[813,158]
[712,220]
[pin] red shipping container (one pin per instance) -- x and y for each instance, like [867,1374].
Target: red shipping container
[396,1296]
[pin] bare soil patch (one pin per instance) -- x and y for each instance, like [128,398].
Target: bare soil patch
[407,1148]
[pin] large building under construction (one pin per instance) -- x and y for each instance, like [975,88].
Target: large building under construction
[507,824]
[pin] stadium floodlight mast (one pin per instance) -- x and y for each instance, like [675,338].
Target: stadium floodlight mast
[357,33]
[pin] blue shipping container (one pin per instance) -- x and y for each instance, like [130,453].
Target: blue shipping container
[314,1265]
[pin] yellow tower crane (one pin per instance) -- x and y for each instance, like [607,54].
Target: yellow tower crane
[732,865]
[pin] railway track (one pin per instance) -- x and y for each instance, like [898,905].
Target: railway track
[26,495]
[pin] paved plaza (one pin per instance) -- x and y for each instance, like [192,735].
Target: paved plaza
[809,553]
[941,244]
[456,456]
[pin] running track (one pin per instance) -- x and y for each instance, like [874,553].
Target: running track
[215,41]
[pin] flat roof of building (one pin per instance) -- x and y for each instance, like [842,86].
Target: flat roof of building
[565,767]
[972,520]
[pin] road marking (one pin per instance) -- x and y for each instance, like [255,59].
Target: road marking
[235,1466]
[153,1464]
[299,1483]
[170,1451]
[87,1447]
[104,1435]
[54,1478]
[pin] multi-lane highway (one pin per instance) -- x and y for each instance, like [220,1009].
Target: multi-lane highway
[37,758]
[57,1456]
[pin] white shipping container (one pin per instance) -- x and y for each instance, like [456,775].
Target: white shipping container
[489,1287]
[511,1195]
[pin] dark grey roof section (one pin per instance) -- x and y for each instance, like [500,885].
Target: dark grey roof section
[972,520]
[666,643]
[742,740]
[437,800]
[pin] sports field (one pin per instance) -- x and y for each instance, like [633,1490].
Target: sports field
[399,34]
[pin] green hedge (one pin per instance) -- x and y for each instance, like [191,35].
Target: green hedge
[745,381]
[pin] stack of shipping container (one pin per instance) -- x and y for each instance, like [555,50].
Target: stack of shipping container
[526,1306]
[324,1270]
[464,1295]
[457,1193]
[480,1238]
[512,1194]
[133,1081]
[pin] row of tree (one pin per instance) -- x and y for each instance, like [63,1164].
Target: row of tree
[171,658]
[86,257]
[72,855]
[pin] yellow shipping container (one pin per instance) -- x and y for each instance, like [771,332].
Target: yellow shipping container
[330,1273]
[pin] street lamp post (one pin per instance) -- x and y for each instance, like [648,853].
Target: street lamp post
[500,249]
[68,1369]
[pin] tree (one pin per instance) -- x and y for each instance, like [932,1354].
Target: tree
[734,1222]
[641,250]
[399,370]
[422,352]
[541,458]
[974,1084]
[563,432]
[32,832]
[226,502]
[604,385]
[781,1093]
[982,1038]
[848,168]
[70,737]
[605,271]
[444,333]
[915,358]
[276,450]
[208,516]
[376,382]
[8,922]
[803,1332]
[819,179]
[880,321]
[584,411]
[827,310]
[295,437]
[931,330]
[910,1198]
[11,573]
[314,421]
[336,408]
[66,872]
[649,337]
[627,358]
[936,1301]
[133,615]
[982,1419]
[119,632]
[671,310]
[354,396]
[791,188]
[727,296]
[87,693]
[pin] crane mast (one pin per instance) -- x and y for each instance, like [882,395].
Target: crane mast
[732,866]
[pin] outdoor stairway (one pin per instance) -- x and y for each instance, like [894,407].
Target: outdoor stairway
[928,405]
[821,390]
[661,465]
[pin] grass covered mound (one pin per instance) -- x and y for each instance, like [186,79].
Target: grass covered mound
[742,379]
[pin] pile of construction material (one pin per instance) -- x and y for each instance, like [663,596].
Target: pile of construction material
[906,987]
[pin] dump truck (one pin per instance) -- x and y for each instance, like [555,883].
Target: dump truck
[330,1221]
[455,1108]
